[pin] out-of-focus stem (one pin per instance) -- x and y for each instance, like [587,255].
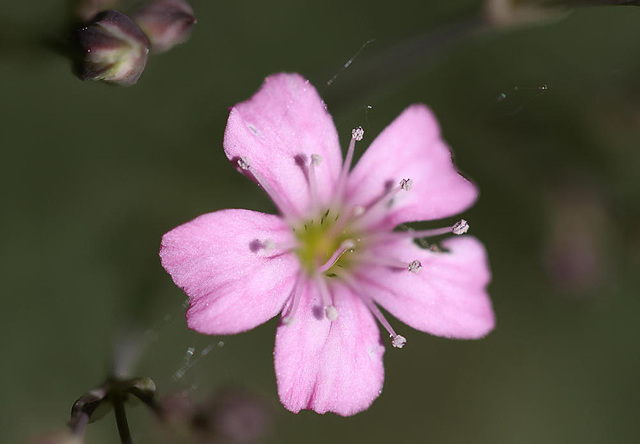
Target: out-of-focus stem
[121,420]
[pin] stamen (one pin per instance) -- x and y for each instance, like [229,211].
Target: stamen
[413,266]
[406,184]
[244,164]
[313,182]
[375,209]
[344,247]
[295,295]
[356,135]
[458,228]
[397,340]
[268,245]
[330,311]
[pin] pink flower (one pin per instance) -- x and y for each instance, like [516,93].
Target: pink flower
[333,255]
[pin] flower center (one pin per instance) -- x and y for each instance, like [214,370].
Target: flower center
[322,248]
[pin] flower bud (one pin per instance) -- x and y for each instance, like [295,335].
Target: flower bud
[143,388]
[87,9]
[239,416]
[111,48]
[505,13]
[56,437]
[166,23]
[229,416]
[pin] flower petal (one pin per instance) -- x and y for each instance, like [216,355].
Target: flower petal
[282,125]
[411,148]
[232,282]
[447,297]
[329,366]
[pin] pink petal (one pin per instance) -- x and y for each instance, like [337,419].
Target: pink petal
[233,285]
[447,297]
[283,123]
[411,148]
[329,366]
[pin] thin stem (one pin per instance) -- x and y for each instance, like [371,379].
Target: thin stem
[121,420]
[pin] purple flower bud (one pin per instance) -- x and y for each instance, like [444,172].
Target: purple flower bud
[56,437]
[504,13]
[577,255]
[166,23]
[87,9]
[231,416]
[239,416]
[111,48]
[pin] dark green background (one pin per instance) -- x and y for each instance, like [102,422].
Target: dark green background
[93,175]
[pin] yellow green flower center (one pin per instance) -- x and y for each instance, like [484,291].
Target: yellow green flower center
[318,241]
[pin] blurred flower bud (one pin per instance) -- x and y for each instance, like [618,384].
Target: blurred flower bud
[166,23]
[177,408]
[111,48]
[58,437]
[88,408]
[87,9]
[96,403]
[239,417]
[232,416]
[577,252]
[503,13]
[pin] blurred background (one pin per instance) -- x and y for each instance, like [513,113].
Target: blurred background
[541,108]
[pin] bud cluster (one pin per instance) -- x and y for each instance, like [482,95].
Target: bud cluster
[230,415]
[113,46]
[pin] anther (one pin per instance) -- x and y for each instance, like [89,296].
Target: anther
[268,245]
[460,227]
[296,293]
[381,204]
[406,184]
[357,133]
[331,312]
[243,163]
[398,341]
[313,181]
[415,266]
